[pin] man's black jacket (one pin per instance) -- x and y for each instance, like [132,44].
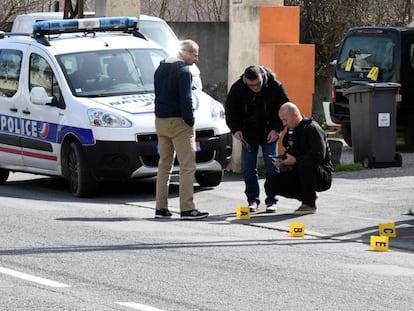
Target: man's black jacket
[308,143]
[255,114]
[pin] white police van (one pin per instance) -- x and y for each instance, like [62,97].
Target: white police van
[77,101]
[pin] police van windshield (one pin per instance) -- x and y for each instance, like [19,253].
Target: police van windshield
[111,73]
[362,53]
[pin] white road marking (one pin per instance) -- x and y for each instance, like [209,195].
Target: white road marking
[32,278]
[138,306]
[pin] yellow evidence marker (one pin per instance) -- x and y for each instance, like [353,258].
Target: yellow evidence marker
[243,212]
[297,230]
[379,243]
[387,230]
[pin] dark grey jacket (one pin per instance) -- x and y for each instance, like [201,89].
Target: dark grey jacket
[173,95]
[255,114]
[308,143]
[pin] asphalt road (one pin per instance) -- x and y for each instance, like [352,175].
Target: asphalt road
[109,253]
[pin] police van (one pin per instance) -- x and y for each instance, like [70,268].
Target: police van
[77,101]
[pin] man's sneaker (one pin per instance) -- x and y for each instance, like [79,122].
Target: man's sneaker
[194,214]
[271,205]
[162,213]
[253,207]
[305,209]
[271,208]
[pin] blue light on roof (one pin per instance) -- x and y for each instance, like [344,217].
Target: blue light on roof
[121,22]
[85,25]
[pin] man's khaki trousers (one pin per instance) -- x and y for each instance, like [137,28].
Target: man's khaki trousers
[175,137]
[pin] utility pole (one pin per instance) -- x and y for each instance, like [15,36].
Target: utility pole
[70,12]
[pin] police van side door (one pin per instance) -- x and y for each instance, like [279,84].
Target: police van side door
[12,76]
[40,148]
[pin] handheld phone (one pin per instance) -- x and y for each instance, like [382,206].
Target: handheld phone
[281,157]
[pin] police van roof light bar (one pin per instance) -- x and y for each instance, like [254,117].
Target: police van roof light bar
[85,25]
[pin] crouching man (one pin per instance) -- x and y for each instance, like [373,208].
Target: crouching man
[306,167]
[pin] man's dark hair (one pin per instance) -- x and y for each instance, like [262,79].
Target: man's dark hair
[252,73]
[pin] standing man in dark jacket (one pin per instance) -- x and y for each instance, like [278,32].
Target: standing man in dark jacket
[174,124]
[252,107]
[306,167]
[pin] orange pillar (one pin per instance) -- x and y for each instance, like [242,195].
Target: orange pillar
[280,50]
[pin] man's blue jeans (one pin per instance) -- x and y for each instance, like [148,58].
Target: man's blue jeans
[250,173]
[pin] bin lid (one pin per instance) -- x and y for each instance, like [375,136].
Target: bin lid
[363,86]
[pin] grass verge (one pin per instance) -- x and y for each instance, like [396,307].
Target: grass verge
[349,167]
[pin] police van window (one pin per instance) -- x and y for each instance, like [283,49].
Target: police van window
[41,74]
[10,62]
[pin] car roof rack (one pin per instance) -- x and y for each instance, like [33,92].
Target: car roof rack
[13,34]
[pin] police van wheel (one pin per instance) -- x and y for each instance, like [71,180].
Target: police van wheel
[81,182]
[4,174]
[209,179]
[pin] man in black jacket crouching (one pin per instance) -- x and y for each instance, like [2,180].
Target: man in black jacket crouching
[306,167]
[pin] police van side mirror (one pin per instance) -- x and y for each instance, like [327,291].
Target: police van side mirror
[38,96]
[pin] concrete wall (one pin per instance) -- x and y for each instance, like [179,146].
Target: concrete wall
[118,8]
[213,38]
[244,40]
[244,34]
